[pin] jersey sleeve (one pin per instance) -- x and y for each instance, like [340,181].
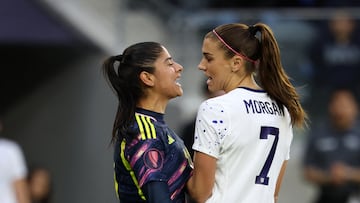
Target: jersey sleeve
[210,128]
[291,135]
[148,160]
[287,132]
[18,165]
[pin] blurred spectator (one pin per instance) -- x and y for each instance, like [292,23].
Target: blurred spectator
[40,185]
[335,56]
[332,158]
[13,171]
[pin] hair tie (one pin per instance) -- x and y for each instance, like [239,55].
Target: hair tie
[118,58]
[253,29]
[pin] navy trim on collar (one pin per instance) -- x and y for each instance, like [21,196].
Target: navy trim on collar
[253,90]
[158,116]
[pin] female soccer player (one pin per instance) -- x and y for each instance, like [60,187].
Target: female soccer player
[242,138]
[151,162]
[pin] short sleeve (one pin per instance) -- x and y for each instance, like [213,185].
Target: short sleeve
[148,161]
[18,163]
[210,128]
[12,160]
[291,134]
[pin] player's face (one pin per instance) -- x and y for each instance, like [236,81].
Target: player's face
[215,66]
[167,73]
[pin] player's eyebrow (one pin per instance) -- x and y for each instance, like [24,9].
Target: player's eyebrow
[207,54]
[168,59]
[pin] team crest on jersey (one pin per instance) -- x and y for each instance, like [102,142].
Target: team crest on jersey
[153,159]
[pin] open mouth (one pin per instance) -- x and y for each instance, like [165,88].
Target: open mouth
[177,82]
[209,80]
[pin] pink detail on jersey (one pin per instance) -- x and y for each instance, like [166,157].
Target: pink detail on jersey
[135,141]
[153,162]
[176,192]
[178,173]
[146,175]
[138,154]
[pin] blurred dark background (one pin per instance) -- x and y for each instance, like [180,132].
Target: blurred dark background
[35,45]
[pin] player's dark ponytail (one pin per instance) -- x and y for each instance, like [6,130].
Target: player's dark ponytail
[122,72]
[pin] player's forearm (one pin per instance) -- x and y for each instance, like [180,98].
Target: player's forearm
[276,199]
[198,192]
[202,181]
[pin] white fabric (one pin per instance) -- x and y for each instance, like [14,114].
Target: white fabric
[228,128]
[12,168]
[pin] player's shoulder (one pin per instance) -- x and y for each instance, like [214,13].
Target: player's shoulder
[237,94]
[139,115]
[4,142]
[149,128]
[9,146]
[146,121]
[241,93]
[213,103]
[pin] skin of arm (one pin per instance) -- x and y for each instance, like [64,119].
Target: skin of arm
[22,191]
[338,174]
[201,183]
[279,181]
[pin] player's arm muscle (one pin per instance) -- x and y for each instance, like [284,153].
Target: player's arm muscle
[202,182]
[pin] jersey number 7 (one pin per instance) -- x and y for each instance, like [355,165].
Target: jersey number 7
[262,178]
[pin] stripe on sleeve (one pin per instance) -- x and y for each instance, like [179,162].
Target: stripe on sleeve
[129,169]
[152,128]
[146,127]
[141,128]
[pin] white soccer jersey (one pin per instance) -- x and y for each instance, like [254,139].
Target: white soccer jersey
[250,137]
[12,168]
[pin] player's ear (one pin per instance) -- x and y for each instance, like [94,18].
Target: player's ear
[236,63]
[147,78]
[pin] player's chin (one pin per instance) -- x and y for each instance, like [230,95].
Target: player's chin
[175,92]
[180,92]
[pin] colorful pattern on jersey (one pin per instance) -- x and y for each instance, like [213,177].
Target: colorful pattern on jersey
[156,154]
